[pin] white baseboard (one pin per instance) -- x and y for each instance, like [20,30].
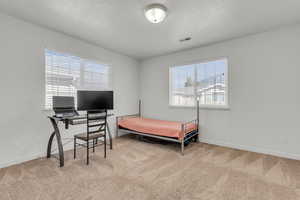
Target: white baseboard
[252,149]
[20,160]
[32,157]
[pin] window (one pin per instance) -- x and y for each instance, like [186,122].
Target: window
[65,74]
[206,81]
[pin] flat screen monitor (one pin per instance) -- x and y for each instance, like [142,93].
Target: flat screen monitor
[95,100]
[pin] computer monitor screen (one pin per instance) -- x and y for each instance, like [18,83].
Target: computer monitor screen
[95,100]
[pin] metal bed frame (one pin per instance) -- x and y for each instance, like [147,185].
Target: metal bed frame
[184,125]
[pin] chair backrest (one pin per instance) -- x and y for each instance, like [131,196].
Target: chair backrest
[96,121]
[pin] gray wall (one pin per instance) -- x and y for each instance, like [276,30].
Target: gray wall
[264,92]
[24,126]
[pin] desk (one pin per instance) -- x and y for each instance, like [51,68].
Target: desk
[67,121]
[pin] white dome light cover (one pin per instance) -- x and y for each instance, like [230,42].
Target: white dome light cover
[155,13]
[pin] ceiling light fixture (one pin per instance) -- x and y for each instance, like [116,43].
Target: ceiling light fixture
[185,39]
[155,13]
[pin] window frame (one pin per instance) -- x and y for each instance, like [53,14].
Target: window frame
[202,106]
[44,106]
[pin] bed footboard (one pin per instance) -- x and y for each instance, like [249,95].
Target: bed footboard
[188,135]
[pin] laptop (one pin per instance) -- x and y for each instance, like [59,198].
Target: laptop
[64,106]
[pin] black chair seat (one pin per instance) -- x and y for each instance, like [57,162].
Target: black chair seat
[83,136]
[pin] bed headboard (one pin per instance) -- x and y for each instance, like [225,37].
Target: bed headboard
[140,112]
[198,103]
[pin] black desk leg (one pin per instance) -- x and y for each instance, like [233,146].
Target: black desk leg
[110,138]
[50,145]
[59,143]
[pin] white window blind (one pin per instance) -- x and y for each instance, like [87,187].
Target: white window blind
[65,74]
[206,81]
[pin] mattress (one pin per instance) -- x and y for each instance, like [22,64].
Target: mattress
[156,127]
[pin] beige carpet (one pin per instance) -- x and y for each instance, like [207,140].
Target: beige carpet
[137,170]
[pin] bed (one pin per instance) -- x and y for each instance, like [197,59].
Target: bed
[179,132]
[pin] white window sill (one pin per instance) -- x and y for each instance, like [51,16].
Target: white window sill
[47,111]
[202,107]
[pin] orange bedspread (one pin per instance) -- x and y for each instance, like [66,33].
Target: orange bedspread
[156,127]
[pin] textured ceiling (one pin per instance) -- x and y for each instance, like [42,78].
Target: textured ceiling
[120,25]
